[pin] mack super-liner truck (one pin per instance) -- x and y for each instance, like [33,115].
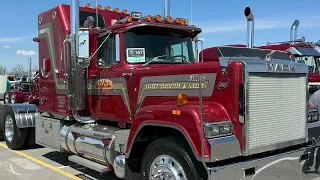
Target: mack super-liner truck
[124,93]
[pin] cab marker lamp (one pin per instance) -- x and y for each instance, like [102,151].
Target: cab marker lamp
[124,11]
[116,9]
[107,8]
[168,18]
[176,20]
[157,17]
[147,18]
[219,129]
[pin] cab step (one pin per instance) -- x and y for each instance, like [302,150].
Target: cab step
[89,164]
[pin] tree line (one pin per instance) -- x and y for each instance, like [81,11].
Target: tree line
[18,70]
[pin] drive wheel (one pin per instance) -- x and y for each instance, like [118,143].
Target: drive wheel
[1,121]
[166,159]
[14,137]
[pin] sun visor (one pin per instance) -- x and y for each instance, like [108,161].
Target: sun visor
[301,51]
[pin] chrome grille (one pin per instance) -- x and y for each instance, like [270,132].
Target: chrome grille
[276,111]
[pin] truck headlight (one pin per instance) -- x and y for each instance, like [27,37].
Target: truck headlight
[313,115]
[213,130]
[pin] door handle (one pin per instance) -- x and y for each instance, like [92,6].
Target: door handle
[126,74]
[93,75]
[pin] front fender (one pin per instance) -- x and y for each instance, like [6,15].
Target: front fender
[24,114]
[162,115]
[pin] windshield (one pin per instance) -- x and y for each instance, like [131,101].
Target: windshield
[311,61]
[144,45]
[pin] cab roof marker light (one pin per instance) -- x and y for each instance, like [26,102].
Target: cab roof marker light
[176,20]
[167,19]
[157,17]
[184,21]
[116,9]
[107,8]
[124,20]
[147,18]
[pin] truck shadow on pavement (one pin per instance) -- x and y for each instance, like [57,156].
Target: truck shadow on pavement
[86,174]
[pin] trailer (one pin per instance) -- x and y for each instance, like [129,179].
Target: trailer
[124,92]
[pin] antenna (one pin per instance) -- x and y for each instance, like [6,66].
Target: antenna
[97,14]
[30,74]
[190,11]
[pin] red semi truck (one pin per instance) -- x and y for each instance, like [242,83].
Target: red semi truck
[123,93]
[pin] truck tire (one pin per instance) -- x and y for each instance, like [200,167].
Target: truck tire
[173,158]
[15,137]
[1,121]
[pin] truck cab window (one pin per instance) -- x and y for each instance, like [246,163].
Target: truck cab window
[107,54]
[180,51]
[310,61]
[169,47]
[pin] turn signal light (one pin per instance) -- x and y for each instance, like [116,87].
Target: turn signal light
[182,99]
[107,8]
[87,5]
[99,7]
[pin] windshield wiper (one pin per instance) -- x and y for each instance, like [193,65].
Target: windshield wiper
[152,60]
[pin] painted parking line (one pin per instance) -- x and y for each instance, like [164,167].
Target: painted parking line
[43,163]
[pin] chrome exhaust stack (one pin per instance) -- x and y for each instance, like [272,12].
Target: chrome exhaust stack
[76,73]
[166,8]
[249,15]
[294,30]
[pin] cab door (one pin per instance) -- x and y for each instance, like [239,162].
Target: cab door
[112,100]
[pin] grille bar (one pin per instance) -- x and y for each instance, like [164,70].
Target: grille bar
[276,111]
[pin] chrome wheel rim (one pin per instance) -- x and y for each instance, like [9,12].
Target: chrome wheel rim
[6,99]
[165,167]
[12,99]
[8,127]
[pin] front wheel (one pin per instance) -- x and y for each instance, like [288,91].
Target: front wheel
[166,159]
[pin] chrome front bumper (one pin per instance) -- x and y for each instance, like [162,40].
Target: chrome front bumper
[285,166]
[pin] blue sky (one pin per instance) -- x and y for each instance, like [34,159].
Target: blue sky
[222,21]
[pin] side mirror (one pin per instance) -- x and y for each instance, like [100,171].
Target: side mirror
[83,44]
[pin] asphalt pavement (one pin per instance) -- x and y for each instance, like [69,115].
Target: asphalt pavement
[42,163]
